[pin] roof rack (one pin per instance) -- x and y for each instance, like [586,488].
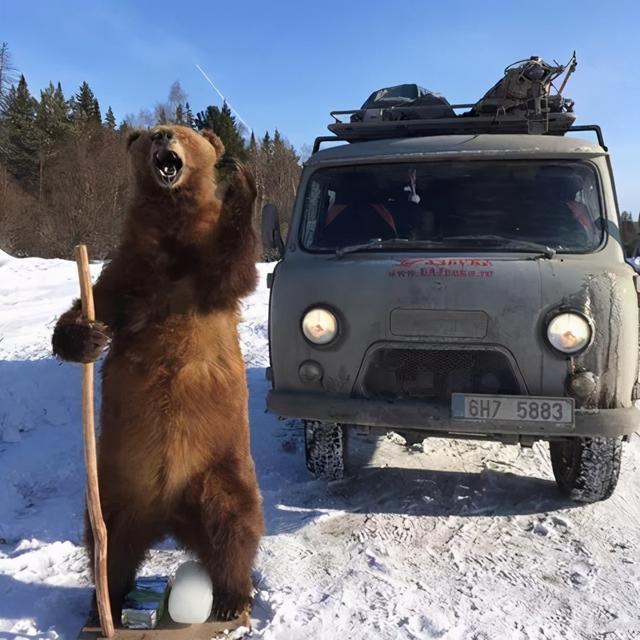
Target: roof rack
[550,123]
[520,102]
[596,129]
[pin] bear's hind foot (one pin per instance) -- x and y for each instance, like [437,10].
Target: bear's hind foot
[229,606]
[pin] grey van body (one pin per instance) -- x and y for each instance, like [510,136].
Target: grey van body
[489,308]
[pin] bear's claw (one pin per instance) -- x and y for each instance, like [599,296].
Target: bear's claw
[228,607]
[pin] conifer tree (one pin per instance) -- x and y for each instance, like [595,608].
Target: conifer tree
[188,116]
[84,106]
[18,133]
[179,116]
[60,103]
[51,123]
[110,120]
[97,116]
[267,144]
[253,144]
[52,118]
[223,123]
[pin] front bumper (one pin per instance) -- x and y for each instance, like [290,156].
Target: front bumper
[423,416]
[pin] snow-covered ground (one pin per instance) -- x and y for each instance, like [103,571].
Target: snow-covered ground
[452,540]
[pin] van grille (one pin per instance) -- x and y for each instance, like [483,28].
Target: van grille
[435,374]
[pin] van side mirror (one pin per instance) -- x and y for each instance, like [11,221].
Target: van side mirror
[272,244]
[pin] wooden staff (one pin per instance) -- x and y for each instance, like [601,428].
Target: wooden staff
[90,458]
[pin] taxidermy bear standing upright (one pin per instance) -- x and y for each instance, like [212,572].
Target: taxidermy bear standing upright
[173,454]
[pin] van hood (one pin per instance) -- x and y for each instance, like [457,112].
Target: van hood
[502,302]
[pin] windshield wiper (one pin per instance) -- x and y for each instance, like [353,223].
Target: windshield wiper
[406,243]
[379,243]
[507,243]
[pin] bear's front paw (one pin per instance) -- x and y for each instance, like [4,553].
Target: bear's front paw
[80,341]
[241,190]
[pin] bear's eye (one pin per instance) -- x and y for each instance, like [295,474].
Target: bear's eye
[162,136]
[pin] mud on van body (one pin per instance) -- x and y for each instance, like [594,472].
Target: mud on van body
[459,286]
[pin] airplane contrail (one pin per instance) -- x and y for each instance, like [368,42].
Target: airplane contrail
[208,79]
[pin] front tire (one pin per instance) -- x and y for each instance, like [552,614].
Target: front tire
[325,449]
[587,469]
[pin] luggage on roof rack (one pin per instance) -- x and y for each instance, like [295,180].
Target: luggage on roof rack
[403,102]
[521,102]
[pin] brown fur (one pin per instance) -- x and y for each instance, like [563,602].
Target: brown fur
[174,446]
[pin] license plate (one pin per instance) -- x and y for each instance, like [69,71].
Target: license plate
[485,408]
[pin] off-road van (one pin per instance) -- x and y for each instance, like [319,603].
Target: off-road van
[459,276]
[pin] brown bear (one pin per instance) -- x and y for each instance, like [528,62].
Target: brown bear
[173,453]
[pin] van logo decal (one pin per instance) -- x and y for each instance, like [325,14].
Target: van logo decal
[444,262]
[442,267]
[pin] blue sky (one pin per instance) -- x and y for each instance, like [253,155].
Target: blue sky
[286,64]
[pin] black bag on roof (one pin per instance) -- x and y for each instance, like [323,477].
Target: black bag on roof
[403,102]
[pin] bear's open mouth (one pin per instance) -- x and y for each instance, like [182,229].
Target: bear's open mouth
[168,165]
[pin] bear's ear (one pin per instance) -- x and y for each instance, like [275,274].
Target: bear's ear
[215,141]
[132,137]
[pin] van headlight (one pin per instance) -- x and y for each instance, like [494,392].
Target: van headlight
[569,332]
[319,325]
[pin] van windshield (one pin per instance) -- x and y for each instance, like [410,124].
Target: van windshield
[504,206]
